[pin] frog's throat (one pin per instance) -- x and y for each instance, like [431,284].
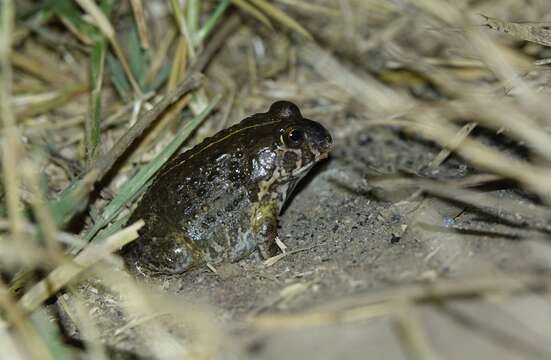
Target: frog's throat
[300,172]
[289,191]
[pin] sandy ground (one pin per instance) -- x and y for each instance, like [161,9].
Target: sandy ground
[347,238]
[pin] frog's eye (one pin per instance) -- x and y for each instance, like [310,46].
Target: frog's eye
[294,137]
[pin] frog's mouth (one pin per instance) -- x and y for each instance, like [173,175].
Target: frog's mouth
[297,175]
[300,172]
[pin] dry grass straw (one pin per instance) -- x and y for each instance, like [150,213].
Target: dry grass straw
[361,307]
[11,149]
[475,101]
[107,29]
[64,273]
[399,303]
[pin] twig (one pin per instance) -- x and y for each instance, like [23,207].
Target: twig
[104,164]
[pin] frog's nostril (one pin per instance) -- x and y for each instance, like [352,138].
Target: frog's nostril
[328,143]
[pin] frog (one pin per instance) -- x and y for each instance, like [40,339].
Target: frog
[219,202]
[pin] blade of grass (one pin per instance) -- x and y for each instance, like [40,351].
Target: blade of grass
[215,18]
[311,8]
[162,77]
[182,26]
[254,12]
[93,119]
[132,188]
[39,69]
[63,97]
[71,199]
[159,57]
[71,17]
[118,78]
[199,100]
[178,65]
[107,29]
[138,57]
[11,145]
[193,14]
[97,66]
[51,335]
[112,228]
[282,17]
[139,16]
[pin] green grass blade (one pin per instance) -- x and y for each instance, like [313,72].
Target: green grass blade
[211,23]
[181,21]
[114,227]
[92,138]
[67,10]
[162,77]
[193,14]
[133,187]
[137,57]
[97,65]
[118,77]
[71,199]
[50,335]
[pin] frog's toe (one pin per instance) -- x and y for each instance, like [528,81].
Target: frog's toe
[171,257]
[176,266]
[160,255]
[268,250]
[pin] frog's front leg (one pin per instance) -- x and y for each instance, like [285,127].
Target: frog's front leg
[264,227]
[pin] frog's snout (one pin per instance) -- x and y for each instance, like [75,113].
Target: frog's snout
[328,143]
[320,137]
[324,142]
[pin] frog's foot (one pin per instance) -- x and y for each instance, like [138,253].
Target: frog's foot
[169,254]
[268,249]
[266,235]
[264,228]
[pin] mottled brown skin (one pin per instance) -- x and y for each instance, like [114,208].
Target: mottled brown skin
[220,200]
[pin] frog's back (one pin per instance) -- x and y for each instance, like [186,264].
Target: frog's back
[201,197]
